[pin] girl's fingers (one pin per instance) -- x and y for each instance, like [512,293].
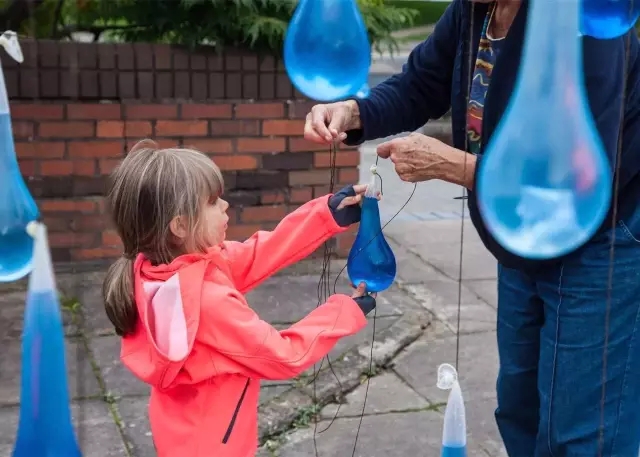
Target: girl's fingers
[349,201]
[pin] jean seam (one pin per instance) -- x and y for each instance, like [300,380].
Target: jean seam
[624,382]
[627,232]
[555,358]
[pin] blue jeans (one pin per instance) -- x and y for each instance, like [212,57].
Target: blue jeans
[551,338]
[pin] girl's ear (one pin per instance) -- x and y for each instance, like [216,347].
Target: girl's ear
[178,227]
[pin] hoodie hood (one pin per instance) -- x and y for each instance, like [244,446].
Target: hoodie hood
[168,298]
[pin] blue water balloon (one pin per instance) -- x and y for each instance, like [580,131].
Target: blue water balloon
[606,19]
[544,183]
[454,430]
[371,259]
[17,207]
[327,52]
[45,427]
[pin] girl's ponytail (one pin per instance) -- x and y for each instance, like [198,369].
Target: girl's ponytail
[119,302]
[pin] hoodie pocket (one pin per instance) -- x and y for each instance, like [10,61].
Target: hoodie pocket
[232,424]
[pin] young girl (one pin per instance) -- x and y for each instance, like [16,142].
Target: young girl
[177,299]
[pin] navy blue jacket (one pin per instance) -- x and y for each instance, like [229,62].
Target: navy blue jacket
[435,79]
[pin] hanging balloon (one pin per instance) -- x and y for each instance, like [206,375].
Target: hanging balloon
[544,183]
[371,259]
[327,52]
[45,427]
[606,19]
[454,430]
[17,207]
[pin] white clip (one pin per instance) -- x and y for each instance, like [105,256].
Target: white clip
[9,41]
[32,228]
[373,169]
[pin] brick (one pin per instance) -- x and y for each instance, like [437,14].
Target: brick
[97,149]
[261,145]
[67,167]
[151,111]
[95,253]
[68,205]
[242,232]
[138,129]
[94,111]
[211,146]
[298,178]
[301,195]
[283,127]
[234,128]
[181,128]
[37,111]
[272,213]
[110,129]
[287,161]
[236,162]
[74,129]
[342,159]
[22,129]
[71,239]
[299,110]
[348,176]
[40,150]
[56,167]
[89,223]
[206,111]
[259,110]
[300,144]
[111,238]
[106,166]
[28,167]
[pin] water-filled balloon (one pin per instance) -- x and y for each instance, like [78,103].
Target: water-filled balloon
[544,182]
[327,52]
[454,430]
[17,207]
[45,427]
[371,259]
[607,19]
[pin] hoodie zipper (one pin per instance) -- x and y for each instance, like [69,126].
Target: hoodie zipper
[227,434]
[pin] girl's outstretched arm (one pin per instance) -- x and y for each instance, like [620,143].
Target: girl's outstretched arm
[294,238]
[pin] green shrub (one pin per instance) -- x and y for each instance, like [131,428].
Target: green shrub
[428,11]
[258,25]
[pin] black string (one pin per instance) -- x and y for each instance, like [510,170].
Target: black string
[614,221]
[324,276]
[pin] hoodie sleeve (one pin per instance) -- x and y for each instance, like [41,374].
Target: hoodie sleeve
[253,347]
[295,237]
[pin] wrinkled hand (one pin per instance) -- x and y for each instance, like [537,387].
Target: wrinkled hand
[328,123]
[417,157]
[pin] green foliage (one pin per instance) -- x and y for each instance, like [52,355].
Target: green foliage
[428,12]
[259,25]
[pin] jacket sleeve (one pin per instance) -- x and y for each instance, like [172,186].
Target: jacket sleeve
[295,237]
[253,347]
[421,92]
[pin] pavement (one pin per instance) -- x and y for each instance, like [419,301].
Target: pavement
[379,396]
[415,331]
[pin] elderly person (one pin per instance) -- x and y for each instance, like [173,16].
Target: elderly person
[551,325]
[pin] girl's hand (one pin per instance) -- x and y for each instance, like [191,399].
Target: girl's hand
[345,205]
[366,302]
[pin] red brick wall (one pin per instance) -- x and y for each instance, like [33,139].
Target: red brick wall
[66,151]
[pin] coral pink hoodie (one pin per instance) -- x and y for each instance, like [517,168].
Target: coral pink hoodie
[202,348]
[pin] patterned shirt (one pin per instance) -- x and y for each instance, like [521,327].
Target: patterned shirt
[488,50]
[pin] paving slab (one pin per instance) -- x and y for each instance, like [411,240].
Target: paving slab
[487,289]
[441,298]
[134,419]
[117,379]
[382,435]
[478,366]
[386,393]
[80,376]
[96,431]
[438,244]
